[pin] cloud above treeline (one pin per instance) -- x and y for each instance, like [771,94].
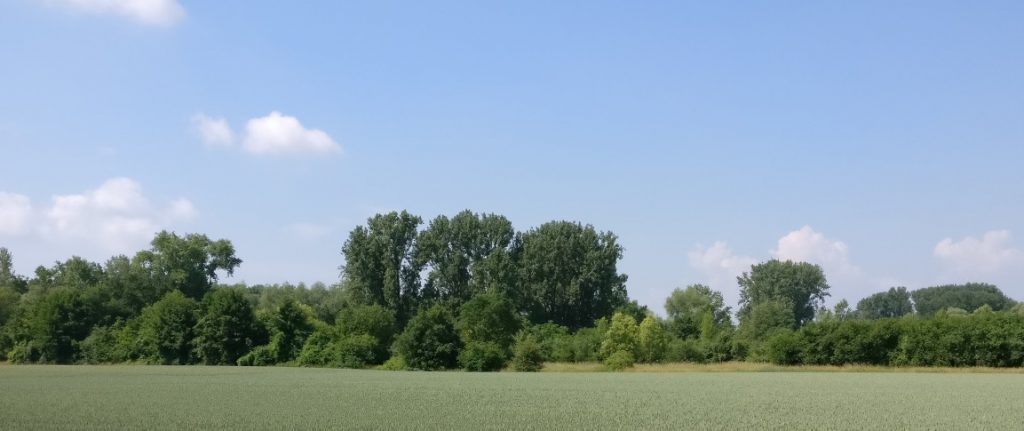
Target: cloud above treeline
[114,217]
[275,134]
[158,13]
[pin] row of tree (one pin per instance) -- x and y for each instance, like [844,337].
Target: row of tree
[471,292]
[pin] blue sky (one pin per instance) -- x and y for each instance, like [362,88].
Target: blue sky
[882,140]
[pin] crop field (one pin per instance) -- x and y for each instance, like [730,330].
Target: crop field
[194,397]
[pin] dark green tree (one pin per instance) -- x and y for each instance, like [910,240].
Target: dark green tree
[57,324]
[892,303]
[490,318]
[968,297]
[467,254]
[688,309]
[369,320]
[166,330]
[189,264]
[430,340]
[379,262]
[227,328]
[569,275]
[291,325]
[799,285]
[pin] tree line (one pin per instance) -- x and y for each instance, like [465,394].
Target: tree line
[471,292]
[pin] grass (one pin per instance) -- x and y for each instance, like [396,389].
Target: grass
[755,367]
[194,397]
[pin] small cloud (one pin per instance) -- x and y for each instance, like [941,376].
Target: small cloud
[159,13]
[719,266]
[15,214]
[182,209]
[990,254]
[806,245]
[215,132]
[278,134]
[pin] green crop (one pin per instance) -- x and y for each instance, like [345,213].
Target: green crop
[193,397]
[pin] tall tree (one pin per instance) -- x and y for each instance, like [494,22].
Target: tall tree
[967,297]
[166,330]
[800,285]
[894,302]
[568,272]
[227,328]
[688,308]
[467,254]
[189,263]
[379,262]
[8,279]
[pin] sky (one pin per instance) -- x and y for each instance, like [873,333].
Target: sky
[881,140]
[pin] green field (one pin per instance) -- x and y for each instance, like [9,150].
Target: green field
[191,397]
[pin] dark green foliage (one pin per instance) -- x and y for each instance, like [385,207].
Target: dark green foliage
[688,350]
[165,330]
[188,264]
[57,324]
[800,286]
[783,347]
[526,353]
[379,262]
[430,340]
[688,308]
[968,297]
[765,318]
[319,350]
[261,356]
[488,318]
[357,351]
[373,320]
[569,274]
[482,356]
[467,255]
[290,326]
[101,346]
[549,336]
[893,303]
[227,328]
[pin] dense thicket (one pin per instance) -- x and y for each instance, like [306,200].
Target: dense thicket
[470,292]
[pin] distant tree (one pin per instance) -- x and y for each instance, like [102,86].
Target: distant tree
[430,340]
[688,309]
[466,255]
[488,318]
[189,264]
[227,328]
[527,354]
[765,318]
[799,285]
[652,340]
[57,323]
[166,330]
[622,335]
[373,320]
[892,303]
[968,296]
[291,325]
[568,271]
[8,279]
[379,262]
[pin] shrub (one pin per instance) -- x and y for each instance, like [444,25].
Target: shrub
[430,341]
[373,320]
[619,360]
[621,336]
[488,318]
[652,340]
[355,351]
[394,363]
[101,346]
[684,351]
[482,356]
[318,351]
[783,348]
[261,356]
[527,353]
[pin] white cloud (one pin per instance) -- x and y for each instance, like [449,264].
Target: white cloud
[15,213]
[278,134]
[806,245]
[116,216]
[214,132]
[719,266]
[161,13]
[991,254]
